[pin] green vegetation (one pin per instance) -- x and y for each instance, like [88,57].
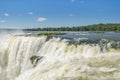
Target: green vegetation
[95,27]
[50,34]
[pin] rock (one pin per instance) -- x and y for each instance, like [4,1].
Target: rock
[34,59]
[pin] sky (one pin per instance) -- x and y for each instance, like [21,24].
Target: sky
[56,13]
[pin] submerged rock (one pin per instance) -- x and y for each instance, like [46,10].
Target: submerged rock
[34,59]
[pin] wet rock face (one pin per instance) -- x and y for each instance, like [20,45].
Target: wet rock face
[34,59]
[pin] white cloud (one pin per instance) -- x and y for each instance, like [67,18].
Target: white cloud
[30,13]
[80,1]
[71,15]
[6,14]
[41,19]
[2,21]
[72,0]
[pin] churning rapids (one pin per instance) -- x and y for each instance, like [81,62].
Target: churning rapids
[36,58]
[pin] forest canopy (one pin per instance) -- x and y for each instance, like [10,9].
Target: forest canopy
[95,27]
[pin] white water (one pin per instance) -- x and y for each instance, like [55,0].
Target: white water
[60,61]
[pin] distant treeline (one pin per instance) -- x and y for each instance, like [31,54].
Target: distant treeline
[95,27]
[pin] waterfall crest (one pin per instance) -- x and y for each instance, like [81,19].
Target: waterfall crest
[55,59]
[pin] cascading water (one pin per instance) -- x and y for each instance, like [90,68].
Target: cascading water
[34,58]
[15,54]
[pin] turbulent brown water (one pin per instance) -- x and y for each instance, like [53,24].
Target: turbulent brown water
[34,58]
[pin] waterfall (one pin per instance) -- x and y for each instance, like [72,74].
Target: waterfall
[35,58]
[15,54]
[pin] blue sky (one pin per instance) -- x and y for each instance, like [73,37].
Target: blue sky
[55,13]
